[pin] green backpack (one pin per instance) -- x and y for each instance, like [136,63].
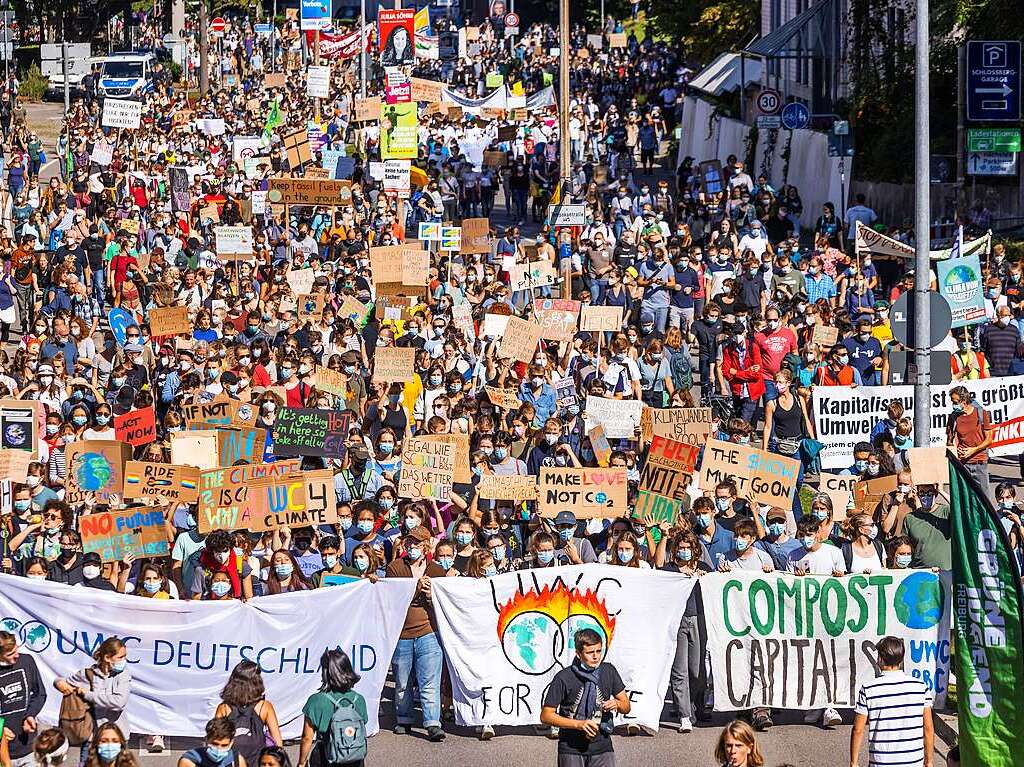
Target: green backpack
[346,734]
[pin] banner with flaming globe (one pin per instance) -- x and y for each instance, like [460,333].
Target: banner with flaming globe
[506,637]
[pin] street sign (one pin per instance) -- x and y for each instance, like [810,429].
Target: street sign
[993,139]
[941,319]
[993,80]
[795,116]
[263,29]
[902,368]
[992,164]
[767,122]
[567,215]
[218,24]
[769,101]
[512,20]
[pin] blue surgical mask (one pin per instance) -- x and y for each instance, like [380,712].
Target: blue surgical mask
[103,420]
[108,751]
[723,504]
[704,521]
[151,587]
[903,560]
[386,448]
[415,553]
[22,505]
[330,561]
[220,588]
[808,541]
[464,539]
[120,666]
[742,545]
[365,526]
[362,564]
[446,563]
[927,500]
[501,453]
[490,572]
[625,556]
[776,529]
[79,420]
[684,555]
[345,522]
[498,552]
[903,443]
[411,523]
[565,533]
[283,571]
[218,754]
[386,503]
[820,514]
[435,380]
[545,557]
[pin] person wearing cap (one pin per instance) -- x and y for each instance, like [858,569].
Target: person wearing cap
[92,573]
[418,650]
[571,549]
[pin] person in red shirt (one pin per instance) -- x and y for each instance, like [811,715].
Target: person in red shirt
[775,342]
[740,370]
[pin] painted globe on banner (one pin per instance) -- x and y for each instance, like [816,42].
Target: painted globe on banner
[919,601]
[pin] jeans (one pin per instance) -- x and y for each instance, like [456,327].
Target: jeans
[424,657]
[660,316]
[745,408]
[707,382]
[99,286]
[687,679]
[607,759]
[979,472]
[597,285]
[519,198]
[25,296]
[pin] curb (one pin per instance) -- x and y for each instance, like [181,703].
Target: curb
[946,727]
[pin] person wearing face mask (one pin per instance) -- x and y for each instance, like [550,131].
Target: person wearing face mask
[334,565]
[502,462]
[901,553]
[865,353]
[862,550]
[716,539]
[67,568]
[776,540]
[929,530]
[622,376]
[218,557]
[92,573]
[739,367]
[285,575]
[571,549]
[777,341]
[999,341]
[23,698]
[304,551]
[970,431]
[539,393]
[38,491]
[433,387]
[39,538]
[105,686]
[837,371]
[218,751]
[968,364]
[418,650]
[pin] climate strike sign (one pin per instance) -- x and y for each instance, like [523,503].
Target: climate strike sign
[806,642]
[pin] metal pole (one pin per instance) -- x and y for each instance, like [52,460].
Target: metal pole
[204,50]
[316,62]
[602,17]
[743,88]
[362,48]
[273,39]
[64,71]
[563,97]
[922,214]
[961,115]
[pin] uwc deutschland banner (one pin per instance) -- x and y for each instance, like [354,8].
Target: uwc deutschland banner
[990,643]
[806,642]
[506,637]
[181,652]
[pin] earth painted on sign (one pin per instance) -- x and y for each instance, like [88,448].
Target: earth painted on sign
[33,635]
[961,282]
[919,601]
[15,434]
[92,471]
[534,642]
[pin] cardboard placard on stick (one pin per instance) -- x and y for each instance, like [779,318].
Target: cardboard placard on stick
[166,481]
[654,508]
[557,317]
[463,472]
[508,488]
[597,318]
[520,340]
[136,427]
[302,499]
[113,534]
[867,494]
[14,465]
[97,466]
[760,476]
[668,468]
[825,336]
[929,465]
[839,488]
[169,321]
[224,493]
[428,469]
[587,493]
[686,424]
[393,364]
[506,399]
[195,448]
[476,235]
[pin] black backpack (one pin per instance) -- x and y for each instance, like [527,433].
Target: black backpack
[249,737]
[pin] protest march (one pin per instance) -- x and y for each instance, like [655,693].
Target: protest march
[393,425]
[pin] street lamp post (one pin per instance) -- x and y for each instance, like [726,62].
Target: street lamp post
[922,215]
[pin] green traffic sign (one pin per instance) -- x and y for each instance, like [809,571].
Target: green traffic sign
[993,139]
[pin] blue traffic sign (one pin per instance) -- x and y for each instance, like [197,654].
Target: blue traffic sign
[993,80]
[795,116]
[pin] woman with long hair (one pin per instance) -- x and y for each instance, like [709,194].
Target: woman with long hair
[337,680]
[737,746]
[244,703]
[284,574]
[110,748]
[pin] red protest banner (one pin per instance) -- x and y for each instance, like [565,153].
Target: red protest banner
[136,427]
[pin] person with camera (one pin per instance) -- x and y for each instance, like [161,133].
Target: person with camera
[582,701]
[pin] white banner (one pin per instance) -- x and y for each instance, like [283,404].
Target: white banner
[867,240]
[318,81]
[506,637]
[397,177]
[121,113]
[805,642]
[180,652]
[234,240]
[844,416]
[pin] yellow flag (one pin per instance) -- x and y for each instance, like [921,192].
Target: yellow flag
[517,88]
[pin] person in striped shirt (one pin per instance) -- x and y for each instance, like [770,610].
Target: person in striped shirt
[896,709]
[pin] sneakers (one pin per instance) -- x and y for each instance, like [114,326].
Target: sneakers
[552,733]
[632,729]
[762,720]
[486,732]
[155,744]
[831,718]
[435,734]
[685,725]
[400,729]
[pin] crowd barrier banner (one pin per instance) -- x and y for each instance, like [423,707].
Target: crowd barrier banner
[506,637]
[844,416]
[180,652]
[806,642]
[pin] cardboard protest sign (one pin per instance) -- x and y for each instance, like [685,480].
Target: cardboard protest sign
[161,480]
[428,469]
[238,445]
[617,40]
[506,399]
[169,321]
[353,309]
[301,280]
[313,191]
[331,381]
[598,441]
[929,465]
[301,499]
[113,534]
[839,488]
[393,364]
[426,90]
[14,465]
[825,336]
[620,417]
[121,113]
[476,235]
[367,110]
[96,466]
[220,412]
[565,395]
[520,340]
[686,424]
[868,494]
[415,268]
[273,80]
[136,427]
[511,488]
[596,318]
[309,307]
[463,472]
[20,424]
[494,158]
[654,508]
[195,448]
[587,493]
[760,476]
[557,318]
[233,241]
[306,431]
[224,493]
[668,467]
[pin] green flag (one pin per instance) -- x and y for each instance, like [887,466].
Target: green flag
[989,642]
[273,119]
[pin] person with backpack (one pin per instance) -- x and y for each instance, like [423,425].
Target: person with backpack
[334,731]
[244,704]
[96,695]
[219,748]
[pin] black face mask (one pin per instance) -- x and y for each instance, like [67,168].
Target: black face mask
[303,544]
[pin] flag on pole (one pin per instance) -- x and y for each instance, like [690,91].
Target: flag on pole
[989,642]
[422,21]
[273,119]
[958,243]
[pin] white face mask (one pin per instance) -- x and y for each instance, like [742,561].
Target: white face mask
[90,572]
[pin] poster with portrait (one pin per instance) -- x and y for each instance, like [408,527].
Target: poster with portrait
[398,131]
[397,37]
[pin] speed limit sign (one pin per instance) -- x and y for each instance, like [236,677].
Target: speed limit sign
[769,101]
[512,20]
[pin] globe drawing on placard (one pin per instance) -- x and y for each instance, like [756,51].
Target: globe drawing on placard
[15,434]
[35,636]
[961,283]
[919,601]
[92,471]
[530,641]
